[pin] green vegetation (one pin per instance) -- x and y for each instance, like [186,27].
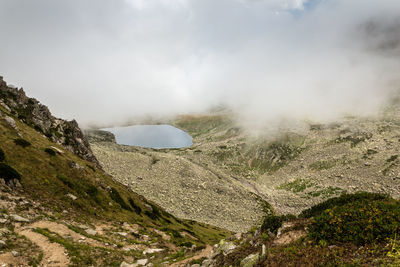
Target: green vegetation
[360,222]
[22,142]
[198,125]
[340,201]
[297,186]
[272,222]
[326,192]
[114,194]
[323,165]
[353,138]
[271,156]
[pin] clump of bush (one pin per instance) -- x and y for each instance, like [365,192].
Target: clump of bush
[114,194]
[22,142]
[50,151]
[2,155]
[341,200]
[361,221]
[135,207]
[154,213]
[8,173]
[272,222]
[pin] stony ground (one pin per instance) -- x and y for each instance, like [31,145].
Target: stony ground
[222,177]
[182,187]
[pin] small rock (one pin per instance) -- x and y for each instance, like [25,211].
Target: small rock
[250,260]
[72,196]
[2,244]
[57,149]
[18,218]
[152,250]
[124,264]
[91,231]
[122,234]
[11,122]
[195,265]
[142,262]
[14,253]
[238,236]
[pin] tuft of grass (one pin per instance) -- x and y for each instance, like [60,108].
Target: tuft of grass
[323,165]
[114,194]
[296,186]
[22,142]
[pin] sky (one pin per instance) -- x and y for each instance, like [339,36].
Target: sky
[103,61]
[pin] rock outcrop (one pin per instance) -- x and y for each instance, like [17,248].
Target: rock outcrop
[32,112]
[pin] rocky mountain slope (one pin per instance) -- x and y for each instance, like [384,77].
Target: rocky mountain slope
[291,171]
[58,208]
[38,116]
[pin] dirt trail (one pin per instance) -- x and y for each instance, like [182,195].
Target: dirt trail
[54,255]
[205,253]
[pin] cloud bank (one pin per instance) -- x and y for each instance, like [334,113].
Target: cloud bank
[105,61]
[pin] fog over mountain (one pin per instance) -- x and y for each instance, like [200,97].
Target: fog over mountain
[102,61]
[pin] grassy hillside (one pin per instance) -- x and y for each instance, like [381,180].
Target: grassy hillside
[63,187]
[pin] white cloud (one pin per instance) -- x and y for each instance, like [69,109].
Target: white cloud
[101,60]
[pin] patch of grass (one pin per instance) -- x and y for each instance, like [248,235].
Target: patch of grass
[114,194]
[392,158]
[326,192]
[271,156]
[135,207]
[369,153]
[22,142]
[354,138]
[297,186]
[154,160]
[198,125]
[323,165]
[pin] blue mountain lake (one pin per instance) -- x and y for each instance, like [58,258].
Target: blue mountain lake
[151,136]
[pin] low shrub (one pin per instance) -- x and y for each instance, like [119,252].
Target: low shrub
[360,222]
[2,155]
[8,173]
[22,142]
[92,190]
[114,194]
[272,222]
[154,214]
[65,180]
[50,151]
[341,200]
[135,207]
